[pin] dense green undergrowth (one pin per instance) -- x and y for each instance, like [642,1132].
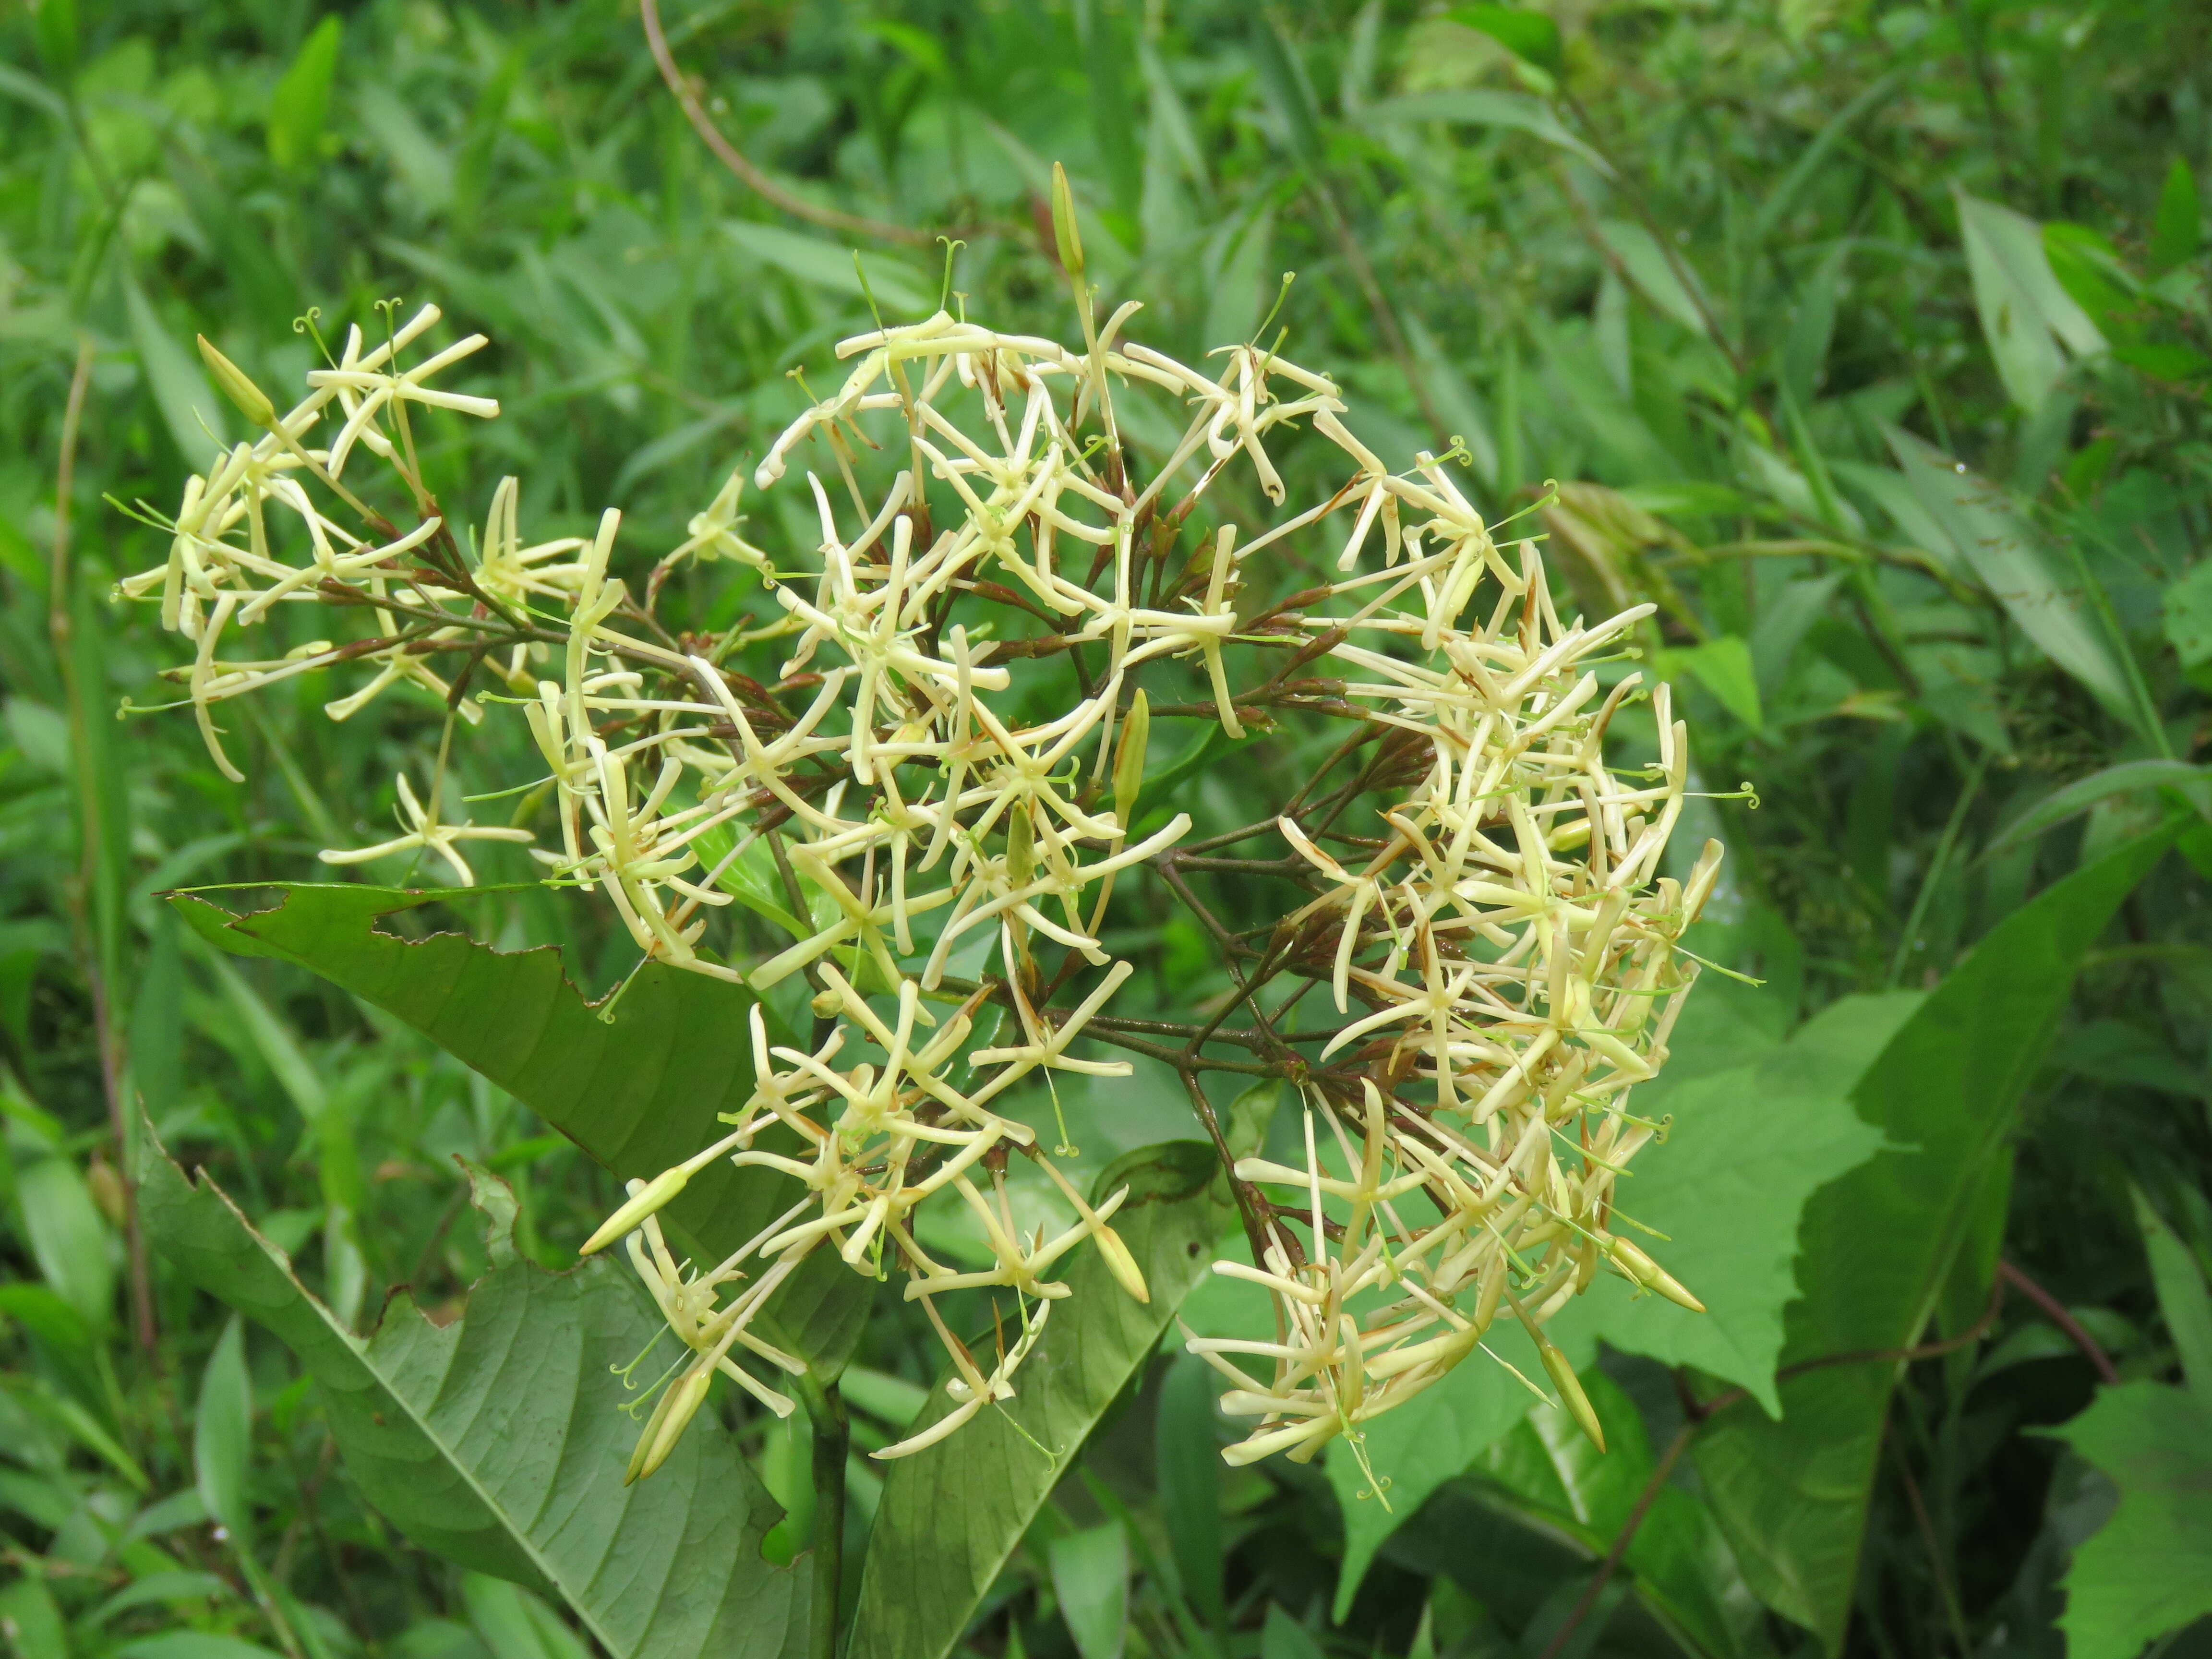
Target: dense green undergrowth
[1869,342]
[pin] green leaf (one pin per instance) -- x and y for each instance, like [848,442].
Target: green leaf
[1530,34]
[1283,1638]
[1188,1477]
[2188,615]
[54,24]
[515,1623]
[2149,1568]
[951,1514]
[2178,231]
[1747,1149]
[826,266]
[1682,1565]
[1812,326]
[2127,778]
[500,1440]
[1723,667]
[639,1094]
[1091,1577]
[1991,537]
[1877,1246]
[301,105]
[187,404]
[2090,269]
[34,1621]
[1655,275]
[1751,1140]
[2030,321]
[68,1235]
[1784,194]
[2182,1295]
[1472,107]
[222,1433]
[192,1644]
[1427,1442]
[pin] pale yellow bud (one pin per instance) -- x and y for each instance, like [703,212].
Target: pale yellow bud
[678,1407]
[1021,846]
[1121,1264]
[252,401]
[1649,1274]
[1570,1393]
[1068,240]
[1129,760]
[655,1192]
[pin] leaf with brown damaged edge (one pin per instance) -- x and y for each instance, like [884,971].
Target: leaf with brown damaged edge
[638,1094]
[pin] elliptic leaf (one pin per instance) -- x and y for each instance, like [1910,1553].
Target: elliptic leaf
[2030,321]
[1993,540]
[1091,1577]
[301,105]
[500,1440]
[222,1432]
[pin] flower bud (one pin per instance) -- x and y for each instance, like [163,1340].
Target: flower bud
[648,1199]
[252,401]
[1067,240]
[1129,760]
[1021,846]
[1121,1263]
[677,1409]
[1570,1393]
[1649,1274]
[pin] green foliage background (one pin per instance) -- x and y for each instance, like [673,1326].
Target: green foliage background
[1868,340]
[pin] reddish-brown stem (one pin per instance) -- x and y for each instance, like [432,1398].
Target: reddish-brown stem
[734,159]
[1702,1412]
[2054,1311]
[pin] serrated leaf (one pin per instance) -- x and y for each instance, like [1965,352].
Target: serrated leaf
[638,1094]
[951,1514]
[2148,1570]
[499,1441]
[1877,1246]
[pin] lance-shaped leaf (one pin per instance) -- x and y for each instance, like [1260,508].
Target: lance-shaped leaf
[1877,1247]
[638,1093]
[1989,535]
[499,1441]
[952,1513]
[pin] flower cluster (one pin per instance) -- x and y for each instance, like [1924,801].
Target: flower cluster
[942,852]
[1517,956]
